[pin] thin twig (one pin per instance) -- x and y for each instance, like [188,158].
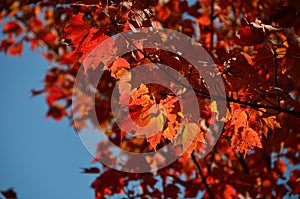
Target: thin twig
[242,161]
[211,196]
[263,97]
[276,77]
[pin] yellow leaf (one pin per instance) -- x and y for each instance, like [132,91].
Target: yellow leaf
[214,108]
[190,134]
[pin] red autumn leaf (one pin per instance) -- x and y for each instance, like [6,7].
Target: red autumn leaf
[77,30]
[6,43]
[12,27]
[34,43]
[95,37]
[244,36]
[36,24]
[50,38]
[280,166]
[49,56]
[229,192]
[171,191]
[54,94]
[16,49]
[69,58]
[104,52]
[204,20]
[294,182]
[250,35]
[56,111]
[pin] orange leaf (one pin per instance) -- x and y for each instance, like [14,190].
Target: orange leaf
[229,192]
[154,140]
[245,139]
[118,64]
[203,20]
[239,119]
[248,58]
[270,123]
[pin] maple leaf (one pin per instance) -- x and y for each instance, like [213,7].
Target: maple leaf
[190,136]
[56,111]
[169,134]
[54,94]
[16,49]
[93,39]
[154,140]
[117,66]
[101,54]
[270,123]
[77,30]
[6,43]
[239,119]
[250,34]
[245,139]
[12,27]
[50,38]
[154,126]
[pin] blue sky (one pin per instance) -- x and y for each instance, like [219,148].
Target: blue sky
[40,158]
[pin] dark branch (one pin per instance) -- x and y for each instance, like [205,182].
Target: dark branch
[211,196]
[276,77]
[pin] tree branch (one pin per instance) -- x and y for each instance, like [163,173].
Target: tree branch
[276,77]
[211,196]
[242,161]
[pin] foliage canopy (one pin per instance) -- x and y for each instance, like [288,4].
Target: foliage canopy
[255,46]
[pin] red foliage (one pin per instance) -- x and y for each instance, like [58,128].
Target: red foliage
[256,48]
